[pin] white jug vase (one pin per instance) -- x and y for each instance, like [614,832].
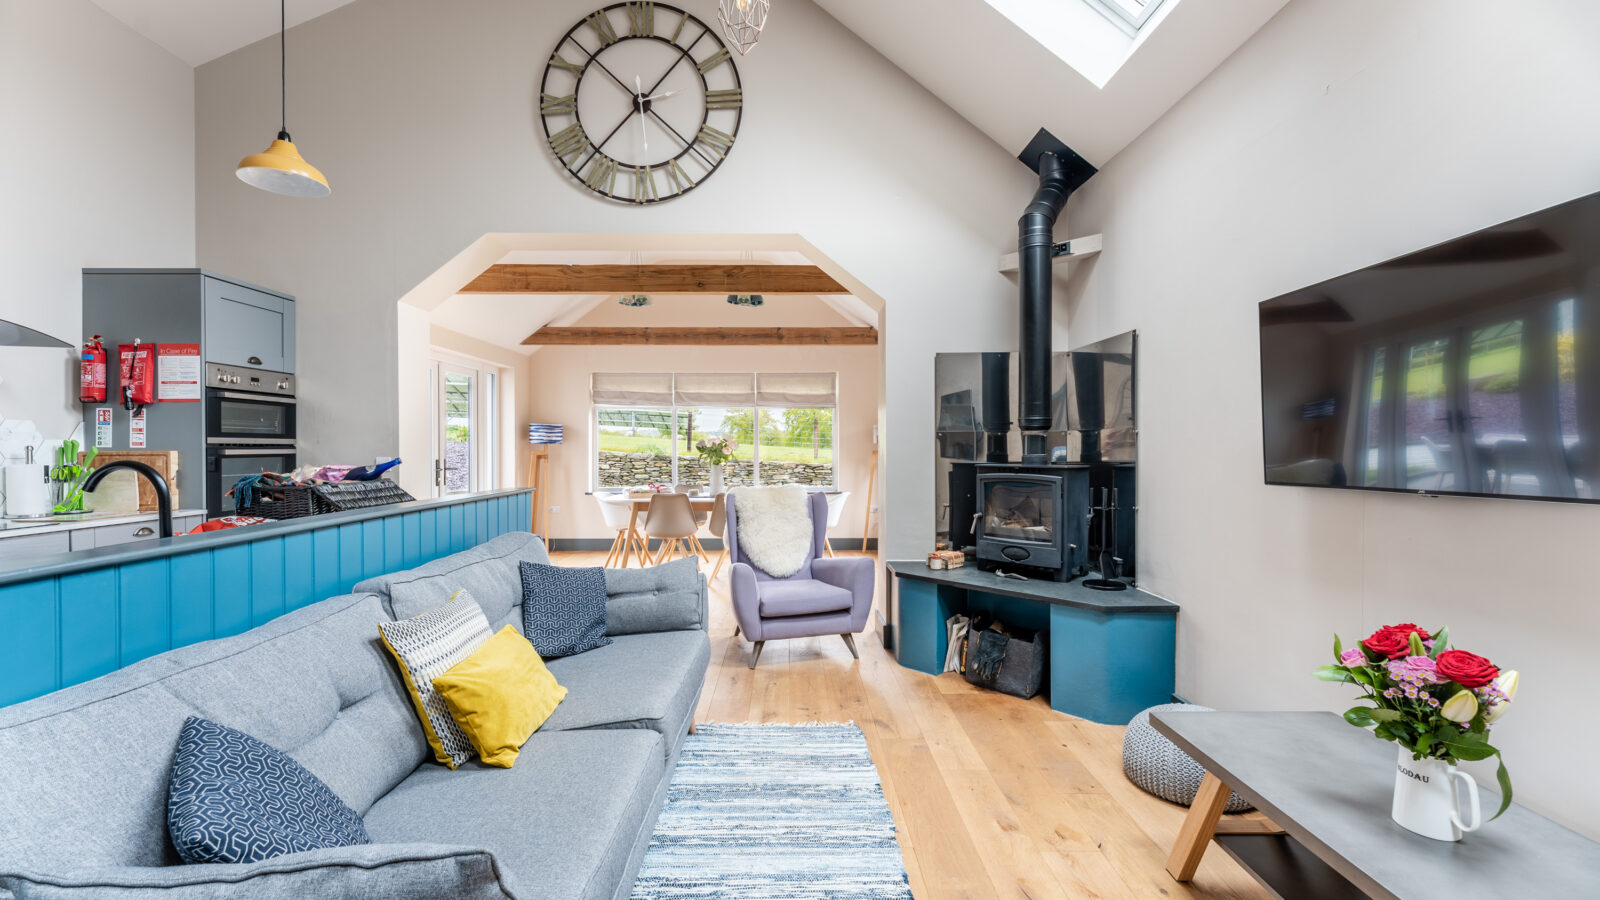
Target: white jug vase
[1427,795]
[716,479]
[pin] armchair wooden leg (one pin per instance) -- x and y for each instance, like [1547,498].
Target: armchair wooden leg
[1195,835]
[735,631]
[851,643]
[755,653]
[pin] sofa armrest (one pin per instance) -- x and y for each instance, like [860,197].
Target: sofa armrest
[854,574]
[391,871]
[669,597]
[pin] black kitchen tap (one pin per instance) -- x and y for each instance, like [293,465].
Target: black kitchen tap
[163,496]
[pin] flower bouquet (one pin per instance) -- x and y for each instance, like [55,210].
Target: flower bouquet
[716,450]
[1435,702]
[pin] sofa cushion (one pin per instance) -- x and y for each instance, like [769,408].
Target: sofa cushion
[649,681]
[500,695]
[104,803]
[488,570]
[563,609]
[660,598]
[801,597]
[565,821]
[391,871]
[425,647]
[233,799]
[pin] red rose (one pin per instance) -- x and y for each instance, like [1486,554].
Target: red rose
[1394,641]
[1466,669]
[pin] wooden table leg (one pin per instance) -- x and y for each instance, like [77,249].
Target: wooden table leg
[633,532]
[1198,828]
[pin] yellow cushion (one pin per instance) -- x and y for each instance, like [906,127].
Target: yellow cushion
[500,695]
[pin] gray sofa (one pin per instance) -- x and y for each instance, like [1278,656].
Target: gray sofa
[83,786]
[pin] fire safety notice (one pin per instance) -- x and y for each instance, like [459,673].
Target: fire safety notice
[178,368]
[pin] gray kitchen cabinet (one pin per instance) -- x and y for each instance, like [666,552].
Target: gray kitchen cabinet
[24,548]
[248,327]
[129,532]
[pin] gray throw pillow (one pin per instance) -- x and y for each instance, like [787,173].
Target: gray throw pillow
[563,609]
[659,598]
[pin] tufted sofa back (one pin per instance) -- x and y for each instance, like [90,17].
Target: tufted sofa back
[84,781]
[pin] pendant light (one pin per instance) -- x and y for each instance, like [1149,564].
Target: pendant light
[280,168]
[742,21]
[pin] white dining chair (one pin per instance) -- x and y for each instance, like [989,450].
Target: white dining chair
[616,509]
[835,510]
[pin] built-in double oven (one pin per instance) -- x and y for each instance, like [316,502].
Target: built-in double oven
[250,429]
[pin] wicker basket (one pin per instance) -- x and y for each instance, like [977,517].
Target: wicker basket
[286,502]
[359,495]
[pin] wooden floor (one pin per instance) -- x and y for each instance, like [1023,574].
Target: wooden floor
[992,796]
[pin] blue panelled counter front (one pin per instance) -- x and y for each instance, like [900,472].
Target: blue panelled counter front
[71,617]
[1111,654]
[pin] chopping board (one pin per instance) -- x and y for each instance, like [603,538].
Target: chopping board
[163,461]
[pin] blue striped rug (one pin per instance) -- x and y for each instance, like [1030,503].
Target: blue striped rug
[786,812]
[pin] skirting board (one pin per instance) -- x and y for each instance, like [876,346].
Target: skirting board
[592,544]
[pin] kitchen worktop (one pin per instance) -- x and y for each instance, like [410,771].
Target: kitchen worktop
[15,527]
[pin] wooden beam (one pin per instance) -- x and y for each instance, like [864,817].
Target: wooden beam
[745,279]
[703,337]
[1077,248]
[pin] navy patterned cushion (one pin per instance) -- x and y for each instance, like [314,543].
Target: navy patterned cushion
[234,799]
[563,609]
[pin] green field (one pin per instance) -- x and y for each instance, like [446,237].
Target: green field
[612,442]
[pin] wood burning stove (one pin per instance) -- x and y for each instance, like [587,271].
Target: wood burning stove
[1032,519]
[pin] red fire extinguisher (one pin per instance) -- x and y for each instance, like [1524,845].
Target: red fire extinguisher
[138,363]
[92,372]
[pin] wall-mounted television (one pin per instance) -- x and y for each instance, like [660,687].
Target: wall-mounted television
[1471,367]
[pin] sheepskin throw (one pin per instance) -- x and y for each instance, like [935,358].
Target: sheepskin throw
[775,530]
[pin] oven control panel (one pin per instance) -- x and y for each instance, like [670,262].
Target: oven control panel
[258,381]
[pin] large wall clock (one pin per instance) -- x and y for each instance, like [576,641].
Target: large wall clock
[641,102]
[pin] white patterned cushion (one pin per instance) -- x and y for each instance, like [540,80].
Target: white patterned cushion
[234,799]
[426,646]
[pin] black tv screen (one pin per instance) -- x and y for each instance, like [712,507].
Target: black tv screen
[1470,367]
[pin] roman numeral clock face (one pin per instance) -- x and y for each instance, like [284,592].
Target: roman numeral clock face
[641,102]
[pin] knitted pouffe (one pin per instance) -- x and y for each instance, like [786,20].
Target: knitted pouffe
[1157,765]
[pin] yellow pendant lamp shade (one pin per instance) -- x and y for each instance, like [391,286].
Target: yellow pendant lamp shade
[281,170]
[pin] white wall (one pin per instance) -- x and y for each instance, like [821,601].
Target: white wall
[1346,132]
[99,163]
[421,114]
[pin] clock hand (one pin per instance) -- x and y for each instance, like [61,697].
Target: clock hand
[664,95]
[683,140]
[638,102]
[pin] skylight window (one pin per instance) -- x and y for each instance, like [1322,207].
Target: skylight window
[1129,15]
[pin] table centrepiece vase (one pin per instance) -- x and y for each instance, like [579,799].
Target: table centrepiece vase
[1427,795]
[716,480]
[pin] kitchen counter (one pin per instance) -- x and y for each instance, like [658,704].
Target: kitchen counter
[66,617]
[14,527]
[24,541]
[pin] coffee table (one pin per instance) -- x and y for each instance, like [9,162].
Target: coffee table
[1329,786]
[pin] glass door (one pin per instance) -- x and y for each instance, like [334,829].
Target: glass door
[457,441]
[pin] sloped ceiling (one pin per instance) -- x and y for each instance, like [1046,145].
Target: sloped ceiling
[990,70]
[1008,85]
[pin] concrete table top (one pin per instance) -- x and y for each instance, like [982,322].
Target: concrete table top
[1330,785]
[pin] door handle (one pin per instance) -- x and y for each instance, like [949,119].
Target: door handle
[438,473]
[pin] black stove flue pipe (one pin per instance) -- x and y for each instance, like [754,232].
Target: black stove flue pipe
[1061,171]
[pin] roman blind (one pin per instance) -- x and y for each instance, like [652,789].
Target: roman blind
[630,389]
[721,389]
[801,389]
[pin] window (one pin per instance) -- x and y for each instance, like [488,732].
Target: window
[647,426]
[1129,15]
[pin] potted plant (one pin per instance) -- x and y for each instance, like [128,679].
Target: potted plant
[1437,704]
[716,451]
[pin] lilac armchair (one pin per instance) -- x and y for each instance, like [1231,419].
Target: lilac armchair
[827,596]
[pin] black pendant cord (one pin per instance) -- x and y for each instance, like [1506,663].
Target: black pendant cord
[283,71]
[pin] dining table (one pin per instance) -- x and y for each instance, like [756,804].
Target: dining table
[638,505]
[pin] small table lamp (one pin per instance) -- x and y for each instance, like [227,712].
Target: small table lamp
[541,437]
